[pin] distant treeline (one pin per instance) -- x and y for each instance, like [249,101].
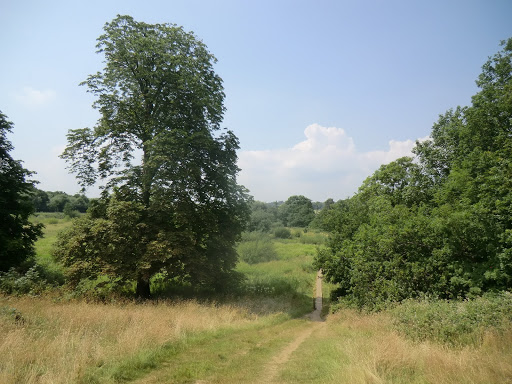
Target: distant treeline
[297,211]
[58,201]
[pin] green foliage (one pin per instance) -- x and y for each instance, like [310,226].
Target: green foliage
[257,251]
[438,225]
[33,281]
[297,211]
[58,201]
[264,217]
[179,211]
[282,233]
[321,217]
[311,237]
[17,233]
[456,323]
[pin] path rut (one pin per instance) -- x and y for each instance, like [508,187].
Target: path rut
[272,369]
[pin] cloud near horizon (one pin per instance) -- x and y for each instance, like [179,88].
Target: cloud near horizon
[325,165]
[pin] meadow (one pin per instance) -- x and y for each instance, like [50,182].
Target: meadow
[51,336]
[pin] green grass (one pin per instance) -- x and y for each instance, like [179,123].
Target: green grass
[53,224]
[226,355]
[292,248]
[289,279]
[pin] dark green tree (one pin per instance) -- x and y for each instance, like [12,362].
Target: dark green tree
[17,233]
[297,211]
[58,201]
[320,219]
[440,224]
[40,200]
[176,207]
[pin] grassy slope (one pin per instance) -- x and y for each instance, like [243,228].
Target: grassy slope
[183,342]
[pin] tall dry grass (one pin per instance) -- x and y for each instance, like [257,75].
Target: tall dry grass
[47,342]
[375,353]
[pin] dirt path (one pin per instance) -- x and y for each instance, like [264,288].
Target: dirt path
[222,359]
[272,369]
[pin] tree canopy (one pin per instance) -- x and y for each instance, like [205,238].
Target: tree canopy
[171,202]
[297,211]
[439,224]
[17,233]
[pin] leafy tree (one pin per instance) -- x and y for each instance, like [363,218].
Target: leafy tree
[40,200]
[58,201]
[263,217]
[320,219]
[297,211]
[439,224]
[17,233]
[176,207]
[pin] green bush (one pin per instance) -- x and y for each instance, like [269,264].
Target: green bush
[257,251]
[14,282]
[282,233]
[313,238]
[456,323]
[255,236]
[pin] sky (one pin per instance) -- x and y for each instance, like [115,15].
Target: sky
[320,93]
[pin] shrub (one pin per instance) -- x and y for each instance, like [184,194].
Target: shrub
[257,251]
[14,282]
[282,233]
[455,323]
[313,238]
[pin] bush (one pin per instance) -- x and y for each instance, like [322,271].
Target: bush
[456,323]
[14,282]
[35,280]
[257,248]
[282,233]
[313,238]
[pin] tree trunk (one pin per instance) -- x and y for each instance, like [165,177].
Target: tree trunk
[143,290]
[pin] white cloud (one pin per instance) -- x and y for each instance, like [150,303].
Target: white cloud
[326,164]
[35,98]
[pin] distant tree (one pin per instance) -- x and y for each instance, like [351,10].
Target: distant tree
[40,200]
[263,217]
[297,211]
[319,221]
[317,205]
[17,233]
[79,203]
[58,201]
[179,210]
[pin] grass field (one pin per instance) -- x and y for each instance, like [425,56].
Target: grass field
[49,339]
[53,224]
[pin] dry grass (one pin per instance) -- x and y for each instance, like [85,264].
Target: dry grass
[355,348]
[57,342]
[377,354]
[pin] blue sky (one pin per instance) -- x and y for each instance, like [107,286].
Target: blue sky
[320,93]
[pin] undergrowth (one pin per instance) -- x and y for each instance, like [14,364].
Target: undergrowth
[456,323]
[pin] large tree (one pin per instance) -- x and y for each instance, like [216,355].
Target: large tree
[440,225]
[17,234]
[175,206]
[297,211]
